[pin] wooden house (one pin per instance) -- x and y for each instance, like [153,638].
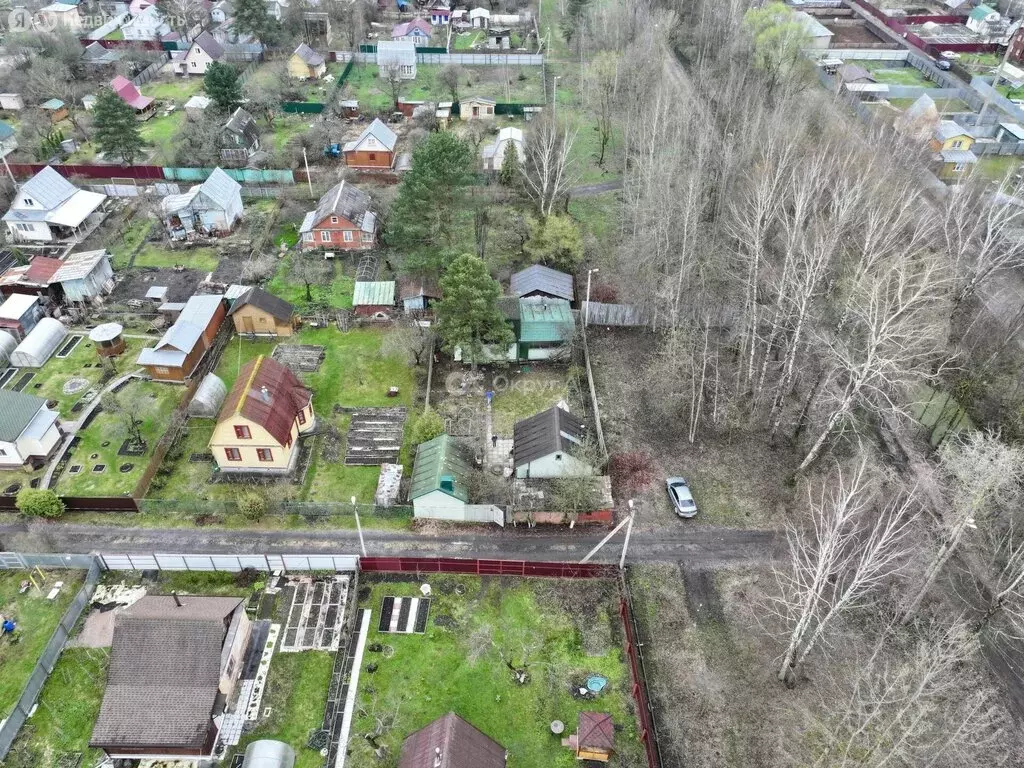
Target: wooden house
[476,108]
[374,149]
[263,314]
[183,346]
[306,64]
[342,219]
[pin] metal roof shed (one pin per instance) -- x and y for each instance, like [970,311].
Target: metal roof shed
[374,294]
[40,344]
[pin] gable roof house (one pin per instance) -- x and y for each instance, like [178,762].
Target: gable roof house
[55,109]
[95,55]
[183,346]
[952,144]
[509,139]
[417,294]
[145,25]
[29,433]
[919,121]
[221,11]
[210,208]
[544,445]
[981,18]
[48,208]
[261,420]
[306,64]
[59,15]
[375,147]
[538,281]
[820,35]
[85,276]
[129,94]
[399,54]
[417,31]
[480,17]
[196,106]
[263,314]
[201,54]
[855,79]
[546,327]
[342,219]
[240,137]
[32,279]
[441,475]
[174,663]
[451,742]
[476,108]
[440,14]
[8,140]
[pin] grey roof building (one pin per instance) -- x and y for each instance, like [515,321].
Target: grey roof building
[309,56]
[346,201]
[172,663]
[544,444]
[268,302]
[379,131]
[538,280]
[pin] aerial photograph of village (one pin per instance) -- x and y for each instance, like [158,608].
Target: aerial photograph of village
[511,383]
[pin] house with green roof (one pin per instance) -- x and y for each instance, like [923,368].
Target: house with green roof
[28,430]
[546,328]
[441,476]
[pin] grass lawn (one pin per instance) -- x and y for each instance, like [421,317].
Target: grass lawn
[527,394]
[599,215]
[981,59]
[944,106]
[939,413]
[152,403]
[82,363]
[885,73]
[287,128]
[516,84]
[336,294]
[68,708]
[296,694]
[353,374]
[996,167]
[586,151]
[36,618]
[464,41]
[460,665]
[203,259]
[128,241]
[163,128]
[179,90]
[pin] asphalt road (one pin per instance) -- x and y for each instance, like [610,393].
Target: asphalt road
[696,546]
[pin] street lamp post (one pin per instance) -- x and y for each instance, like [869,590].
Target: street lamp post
[586,311]
[554,94]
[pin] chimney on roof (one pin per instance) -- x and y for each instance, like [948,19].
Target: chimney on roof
[265,394]
[437,757]
[177,600]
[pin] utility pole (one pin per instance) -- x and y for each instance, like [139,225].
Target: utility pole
[359,527]
[995,82]
[309,180]
[586,311]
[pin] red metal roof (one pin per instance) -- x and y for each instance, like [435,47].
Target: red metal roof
[268,394]
[596,731]
[451,742]
[124,88]
[36,272]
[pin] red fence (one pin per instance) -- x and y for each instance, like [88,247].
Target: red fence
[899,26]
[648,733]
[933,19]
[487,567]
[25,170]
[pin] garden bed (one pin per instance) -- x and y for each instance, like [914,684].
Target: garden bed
[557,632]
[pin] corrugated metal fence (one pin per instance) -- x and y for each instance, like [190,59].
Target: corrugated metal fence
[48,658]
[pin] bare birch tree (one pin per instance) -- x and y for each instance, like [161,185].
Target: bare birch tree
[548,169]
[981,473]
[851,550]
[913,708]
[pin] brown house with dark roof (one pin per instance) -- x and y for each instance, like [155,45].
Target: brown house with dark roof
[545,445]
[261,420]
[263,314]
[174,663]
[451,742]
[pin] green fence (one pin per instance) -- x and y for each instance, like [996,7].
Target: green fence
[345,73]
[303,107]
[241,175]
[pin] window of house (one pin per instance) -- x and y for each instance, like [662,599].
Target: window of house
[242,432]
[231,667]
[162,371]
[302,417]
[28,201]
[3,452]
[334,219]
[233,454]
[24,227]
[264,454]
[194,64]
[367,237]
[347,235]
[959,167]
[373,155]
[307,237]
[325,237]
[490,110]
[957,144]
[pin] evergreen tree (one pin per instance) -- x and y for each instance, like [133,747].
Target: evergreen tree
[468,316]
[117,130]
[508,175]
[251,18]
[432,193]
[221,84]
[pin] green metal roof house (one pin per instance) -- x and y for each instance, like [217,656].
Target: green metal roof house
[546,326]
[440,479]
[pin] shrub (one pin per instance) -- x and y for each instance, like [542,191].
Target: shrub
[39,502]
[252,504]
[631,472]
[603,294]
[427,427]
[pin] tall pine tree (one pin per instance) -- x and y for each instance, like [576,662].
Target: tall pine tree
[221,84]
[117,131]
